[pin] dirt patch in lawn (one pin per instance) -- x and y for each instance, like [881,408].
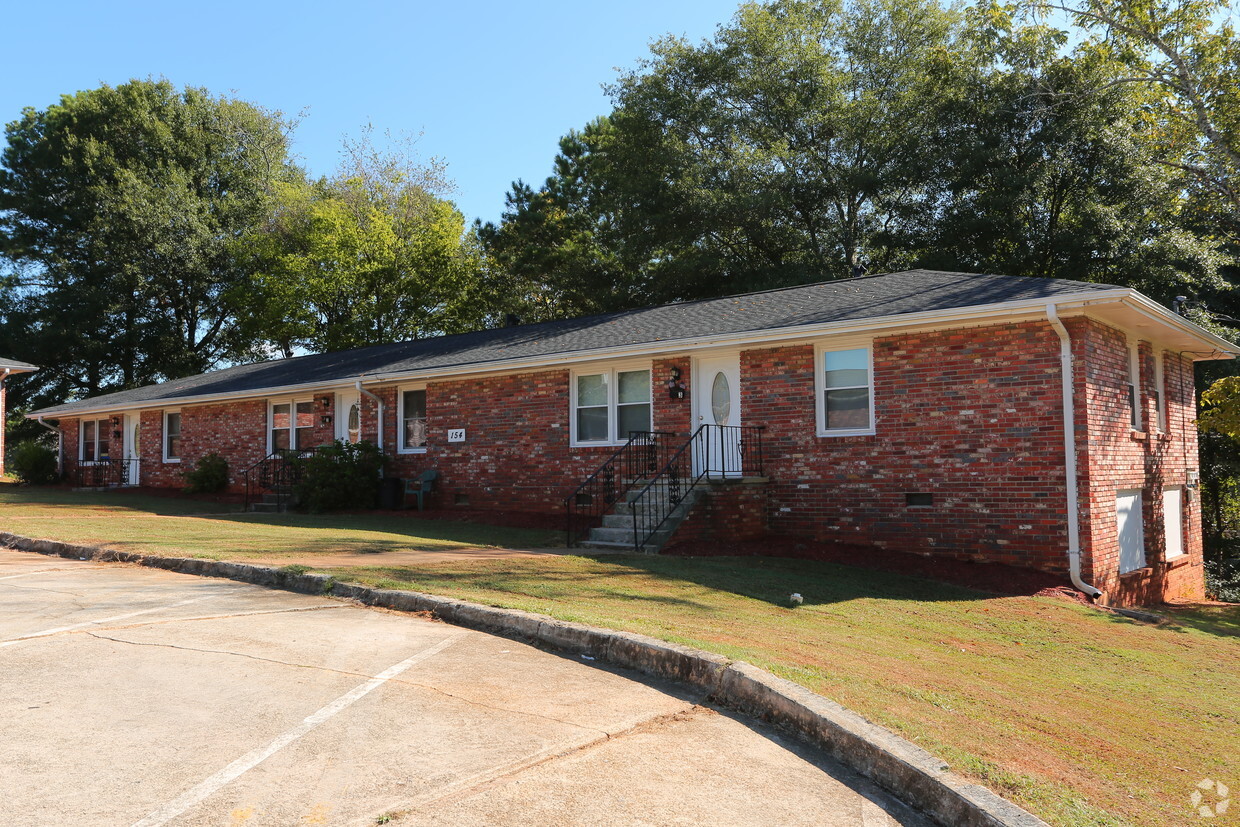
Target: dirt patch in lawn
[990,577]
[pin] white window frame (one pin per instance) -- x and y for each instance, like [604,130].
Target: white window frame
[613,393]
[820,385]
[82,439]
[400,419]
[1160,392]
[1136,420]
[163,437]
[292,402]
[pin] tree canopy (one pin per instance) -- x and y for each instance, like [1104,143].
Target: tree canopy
[120,208]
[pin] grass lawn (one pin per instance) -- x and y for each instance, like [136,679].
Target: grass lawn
[197,528]
[1083,717]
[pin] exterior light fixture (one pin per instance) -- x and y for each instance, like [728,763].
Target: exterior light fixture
[675,388]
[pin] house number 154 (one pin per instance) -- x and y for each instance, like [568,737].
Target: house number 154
[456,435]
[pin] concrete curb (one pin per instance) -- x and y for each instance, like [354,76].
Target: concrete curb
[908,771]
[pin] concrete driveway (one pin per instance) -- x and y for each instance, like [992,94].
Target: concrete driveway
[134,696]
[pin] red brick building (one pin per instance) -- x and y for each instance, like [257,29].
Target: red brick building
[920,411]
[8,368]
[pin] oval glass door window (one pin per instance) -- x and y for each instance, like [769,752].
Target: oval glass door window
[355,423]
[721,398]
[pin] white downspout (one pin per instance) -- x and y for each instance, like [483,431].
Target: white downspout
[60,448]
[1069,452]
[379,402]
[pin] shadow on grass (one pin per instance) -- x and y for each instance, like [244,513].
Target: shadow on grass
[1223,620]
[627,577]
[50,500]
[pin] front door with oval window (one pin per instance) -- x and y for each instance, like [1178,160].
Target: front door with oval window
[348,418]
[717,402]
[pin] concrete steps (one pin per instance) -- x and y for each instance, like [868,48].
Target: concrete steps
[616,532]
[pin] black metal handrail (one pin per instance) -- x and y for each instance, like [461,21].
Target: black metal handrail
[637,460]
[714,451]
[104,473]
[277,472]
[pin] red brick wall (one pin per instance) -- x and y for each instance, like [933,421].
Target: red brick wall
[971,416]
[727,511]
[516,455]
[1120,459]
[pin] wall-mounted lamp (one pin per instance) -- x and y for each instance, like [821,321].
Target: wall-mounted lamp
[675,388]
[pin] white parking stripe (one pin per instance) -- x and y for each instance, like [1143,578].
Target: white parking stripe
[28,573]
[252,759]
[59,629]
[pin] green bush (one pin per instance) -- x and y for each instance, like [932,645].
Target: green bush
[1223,574]
[210,475]
[33,463]
[340,476]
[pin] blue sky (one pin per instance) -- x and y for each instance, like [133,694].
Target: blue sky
[492,85]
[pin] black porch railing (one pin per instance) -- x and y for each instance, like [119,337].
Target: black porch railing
[106,473]
[275,473]
[637,460]
[713,452]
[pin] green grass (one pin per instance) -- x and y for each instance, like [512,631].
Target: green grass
[1083,717]
[198,528]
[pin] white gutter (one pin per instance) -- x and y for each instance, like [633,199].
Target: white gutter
[1069,453]
[379,402]
[60,449]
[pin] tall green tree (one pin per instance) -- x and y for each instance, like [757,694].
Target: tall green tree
[120,208]
[1050,171]
[797,143]
[368,256]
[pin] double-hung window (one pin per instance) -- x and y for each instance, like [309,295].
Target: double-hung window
[413,421]
[845,380]
[1160,394]
[292,425]
[95,442]
[607,405]
[1134,386]
[172,436]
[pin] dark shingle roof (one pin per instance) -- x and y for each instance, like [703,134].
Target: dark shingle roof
[16,365]
[912,291]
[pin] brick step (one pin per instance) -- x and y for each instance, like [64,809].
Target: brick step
[603,545]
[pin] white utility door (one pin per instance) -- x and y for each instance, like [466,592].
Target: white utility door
[131,446]
[348,418]
[1173,521]
[1131,530]
[717,400]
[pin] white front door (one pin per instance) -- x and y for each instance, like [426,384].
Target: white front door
[717,401]
[131,448]
[348,418]
[1131,530]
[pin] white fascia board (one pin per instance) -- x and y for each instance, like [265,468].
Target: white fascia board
[931,319]
[1156,312]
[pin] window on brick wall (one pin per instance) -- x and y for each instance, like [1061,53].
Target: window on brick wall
[292,425]
[1134,386]
[412,418]
[845,383]
[95,441]
[608,405]
[1160,394]
[172,436]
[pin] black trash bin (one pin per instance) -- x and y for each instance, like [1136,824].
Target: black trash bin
[392,493]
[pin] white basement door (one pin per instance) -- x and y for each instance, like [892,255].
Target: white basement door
[1131,531]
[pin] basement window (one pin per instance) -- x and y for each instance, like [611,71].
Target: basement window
[913,500]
